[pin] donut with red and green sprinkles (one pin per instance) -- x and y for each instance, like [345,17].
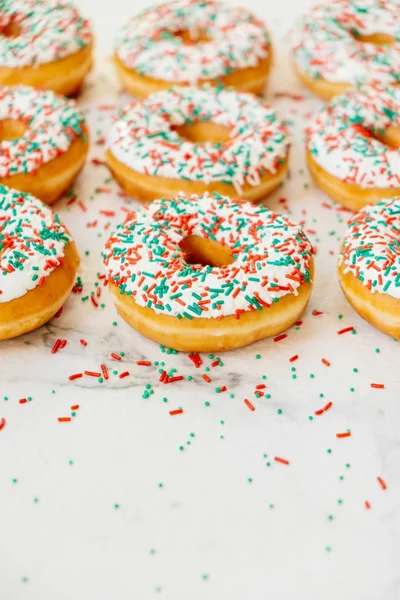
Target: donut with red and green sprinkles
[270,259]
[192,41]
[32,243]
[342,137]
[52,124]
[35,32]
[349,139]
[331,43]
[145,139]
[371,254]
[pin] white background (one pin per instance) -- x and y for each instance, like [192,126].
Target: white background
[208,532]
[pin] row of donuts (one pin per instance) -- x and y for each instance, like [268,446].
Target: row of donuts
[206,139]
[49,45]
[196,272]
[351,144]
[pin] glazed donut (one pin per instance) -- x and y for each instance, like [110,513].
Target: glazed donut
[45,44]
[198,140]
[347,42]
[192,42]
[208,273]
[353,144]
[369,265]
[38,263]
[43,141]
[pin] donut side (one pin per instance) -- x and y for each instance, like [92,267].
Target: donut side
[36,307]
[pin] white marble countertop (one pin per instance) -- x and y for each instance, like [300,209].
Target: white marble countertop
[127,502]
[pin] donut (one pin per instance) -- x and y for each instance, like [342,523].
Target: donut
[346,43]
[43,141]
[45,44]
[198,140]
[208,273]
[192,42]
[38,263]
[369,265]
[352,146]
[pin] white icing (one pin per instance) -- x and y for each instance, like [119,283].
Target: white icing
[32,243]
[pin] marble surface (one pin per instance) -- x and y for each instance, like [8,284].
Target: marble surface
[129,502]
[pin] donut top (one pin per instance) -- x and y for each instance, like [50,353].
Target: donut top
[371,247]
[46,31]
[144,259]
[150,43]
[144,137]
[341,137]
[52,121]
[32,243]
[325,42]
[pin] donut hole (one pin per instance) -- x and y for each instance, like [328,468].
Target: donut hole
[204,251]
[11,129]
[377,39]
[390,137]
[11,30]
[201,132]
[190,37]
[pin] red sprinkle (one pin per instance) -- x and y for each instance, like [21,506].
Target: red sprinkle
[124,374]
[344,434]
[56,346]
[97,162]
[143,363]
[293,358]
[92,373]
[278,338]
[178,411]
[320,411]
[58,313]
[325,362]
[367,505]
[75,407]
[113,355]
[381,483]
[206,378]
[63,419]
[83,342]
[172,379]
[75,376]
[345,330]
[2,423]
[196,360]
[22,400]
[104,371]
[316,313]
[378,386]
[281,460]
[249,404]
